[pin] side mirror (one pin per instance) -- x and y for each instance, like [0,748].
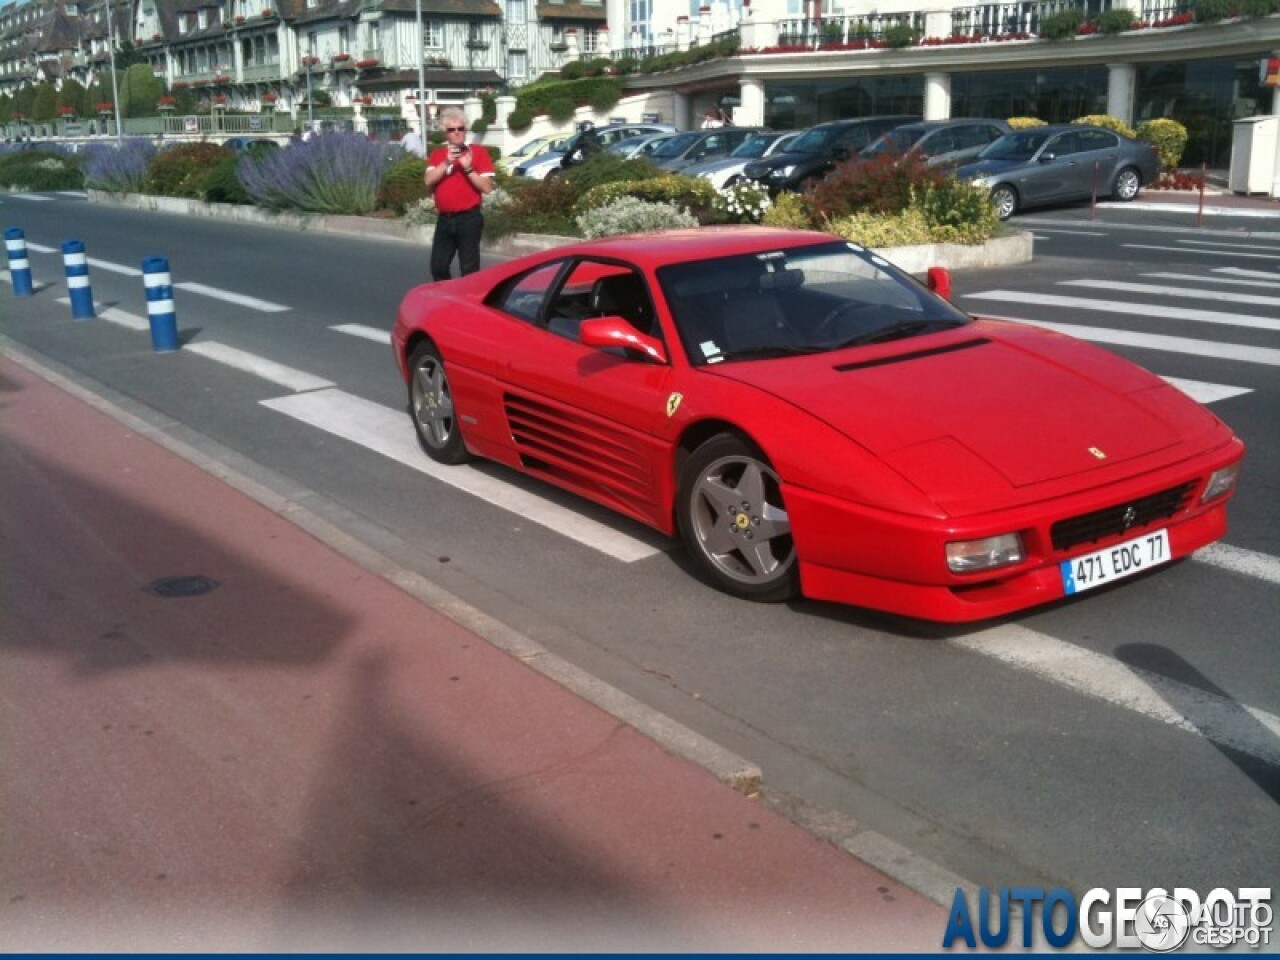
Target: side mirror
[1048,157]
[940,282]
[613,332]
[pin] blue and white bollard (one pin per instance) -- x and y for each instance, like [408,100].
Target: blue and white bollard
[160,313]
[77,264]
[15,245]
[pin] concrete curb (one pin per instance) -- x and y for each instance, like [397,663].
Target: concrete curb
[999,251]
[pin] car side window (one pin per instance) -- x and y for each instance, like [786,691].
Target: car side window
[855,138]
[943,141]
[1096,140]
[523,296]
[1062,145]
[975,135]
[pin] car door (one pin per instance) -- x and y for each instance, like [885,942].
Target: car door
[583,417]
[1097,156]
[1053,173]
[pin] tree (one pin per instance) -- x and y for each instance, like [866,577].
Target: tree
[72,95]
[44,104]
[127,55]
[139,90]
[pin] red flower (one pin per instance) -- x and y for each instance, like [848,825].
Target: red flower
[270,97]
[106,107]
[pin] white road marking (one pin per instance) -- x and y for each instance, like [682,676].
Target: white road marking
[1189,708]
[1250,563]
[113,267]
[1242,272]
[389,432]
[78,194]
[41,248]
[1189,293]
[1206,392]
[1137,309]
[269,370]
[1220,243]
[30,196]
[1155,341]
[366,333]
[1237,281]
[253,303]
[1206,253]
[1075,233]
[118,317]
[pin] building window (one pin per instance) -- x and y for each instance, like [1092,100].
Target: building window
[517,65]
[516,11]
[202,18]
[433,34]
[590,39]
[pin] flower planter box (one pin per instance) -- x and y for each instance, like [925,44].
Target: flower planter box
[369,64]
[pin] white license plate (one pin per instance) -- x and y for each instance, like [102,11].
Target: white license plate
[1114,563]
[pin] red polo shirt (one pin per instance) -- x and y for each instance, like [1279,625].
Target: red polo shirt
[456,193]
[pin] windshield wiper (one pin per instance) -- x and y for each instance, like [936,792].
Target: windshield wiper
[898,331]
[764,353]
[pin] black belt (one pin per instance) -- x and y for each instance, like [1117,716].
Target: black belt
[460,213]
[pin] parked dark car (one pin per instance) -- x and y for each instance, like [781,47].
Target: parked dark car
[816,151]
[695,146]
[941,143]
[1061,163]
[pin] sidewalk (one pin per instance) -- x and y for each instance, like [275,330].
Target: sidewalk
[282,751]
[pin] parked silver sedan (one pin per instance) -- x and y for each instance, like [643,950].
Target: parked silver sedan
[726,171]
[1038,166]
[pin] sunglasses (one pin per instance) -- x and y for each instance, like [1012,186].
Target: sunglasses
[455,129]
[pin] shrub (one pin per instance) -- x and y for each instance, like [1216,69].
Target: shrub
[605,167]
[40,170]
[743,202]
[221,185]
[539,206]
[883,184]
[789,211]
[1107,121]
[332,173]
[118,169]
[561,110]
[1022,123]
[1211,11]
[402,186]
[900,229]
[956,211]
[690,193]
[899,35]
[180,171]
[520,119]
[1062,25]
[1116,20]
[632,215]
[1169,138]
[605,97]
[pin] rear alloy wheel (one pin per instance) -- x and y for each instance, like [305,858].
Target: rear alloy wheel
[1005,199]
[1127,184]
[431,406]
[733,521]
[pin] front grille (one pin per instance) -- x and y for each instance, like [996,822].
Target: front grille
[1119,519]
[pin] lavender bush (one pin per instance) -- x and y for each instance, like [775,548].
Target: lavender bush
[330,173]
[118,169]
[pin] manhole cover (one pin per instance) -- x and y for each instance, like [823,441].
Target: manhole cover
[178,587]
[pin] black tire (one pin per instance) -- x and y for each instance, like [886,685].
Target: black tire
[1126,185]
[431,407]
[1005,199]
[733,521]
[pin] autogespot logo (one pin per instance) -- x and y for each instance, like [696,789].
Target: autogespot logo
[1126,918]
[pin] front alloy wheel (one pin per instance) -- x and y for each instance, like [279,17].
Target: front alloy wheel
[431,406]
[734,523]
[1005,199]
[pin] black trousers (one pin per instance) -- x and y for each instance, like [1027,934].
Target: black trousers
[456,234]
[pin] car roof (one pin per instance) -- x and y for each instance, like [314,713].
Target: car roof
[853,121]
[658,249]
[929,125]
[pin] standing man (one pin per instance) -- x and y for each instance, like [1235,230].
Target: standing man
[458,176]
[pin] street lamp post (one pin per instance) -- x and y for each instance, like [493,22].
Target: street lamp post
[422,76]
[311,126]
[115,87]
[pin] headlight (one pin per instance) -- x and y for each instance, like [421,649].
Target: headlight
[981,181]
[972,556]
[783,172]
[1221,482]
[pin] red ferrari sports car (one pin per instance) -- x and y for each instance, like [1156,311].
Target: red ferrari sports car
[809,419]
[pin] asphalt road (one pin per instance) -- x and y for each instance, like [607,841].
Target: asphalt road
[1130,737]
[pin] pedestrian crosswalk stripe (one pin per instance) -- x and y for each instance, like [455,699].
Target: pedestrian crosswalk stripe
[30,196]
[1156,341]
[1189,293]
[1140,309]
[1206,253]
[1236,281]
[1206,392]
[1237,246]
[1243,272]
[216,293]
[364,332]
[268,370]
[390,433]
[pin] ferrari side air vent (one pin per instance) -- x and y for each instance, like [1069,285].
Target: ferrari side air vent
[913,355]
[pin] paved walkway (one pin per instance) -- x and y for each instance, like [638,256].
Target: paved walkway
[305,757]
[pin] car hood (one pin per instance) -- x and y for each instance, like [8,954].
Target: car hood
[989,168]
[776,160]
[713,166]
[958,413]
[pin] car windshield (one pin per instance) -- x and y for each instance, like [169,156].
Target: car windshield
[813,141]
[799,300]
[895,141]
[754,146]
[675,146]
[1020,145]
